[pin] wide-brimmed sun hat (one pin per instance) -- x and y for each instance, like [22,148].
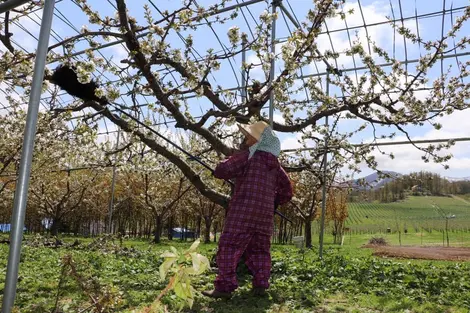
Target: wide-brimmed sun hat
[254,130]
[266,139]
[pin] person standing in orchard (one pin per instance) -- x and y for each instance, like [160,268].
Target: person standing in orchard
[260,185]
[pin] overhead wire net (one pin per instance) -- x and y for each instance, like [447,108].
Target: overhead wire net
[362,20]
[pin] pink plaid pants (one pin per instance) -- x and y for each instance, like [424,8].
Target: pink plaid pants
[256,247]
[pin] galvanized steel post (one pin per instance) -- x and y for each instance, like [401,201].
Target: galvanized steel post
[113,186]
[273,61]
[22,185]
[325,160]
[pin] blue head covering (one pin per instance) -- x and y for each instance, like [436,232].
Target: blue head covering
[268,142]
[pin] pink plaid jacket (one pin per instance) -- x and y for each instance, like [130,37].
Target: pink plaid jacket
[259,182]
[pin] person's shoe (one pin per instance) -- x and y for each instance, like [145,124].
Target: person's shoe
[259,291]
[217,294]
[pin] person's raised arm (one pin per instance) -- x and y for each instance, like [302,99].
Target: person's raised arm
[232,167]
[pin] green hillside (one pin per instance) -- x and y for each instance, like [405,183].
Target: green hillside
[411,214]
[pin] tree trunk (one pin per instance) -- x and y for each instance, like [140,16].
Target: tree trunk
[215,232]
[170,228]
[184,236]
[55,226]
[76,227]
[158,229]
[289,235]
[279,234]
[298,228]
[198,224]
[207,229]
[338,232]
[122,227]
[308,232]
[148,229]
[183,229]
[447,231]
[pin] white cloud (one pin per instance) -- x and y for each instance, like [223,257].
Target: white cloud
[291,142]
[256,72]
[408,158]
[382,34]
[278,118]
[107,133]
[119,52]
[294,141]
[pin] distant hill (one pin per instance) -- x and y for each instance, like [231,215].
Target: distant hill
[375,181]
[457,179]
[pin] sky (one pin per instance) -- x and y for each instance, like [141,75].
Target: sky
[68,19]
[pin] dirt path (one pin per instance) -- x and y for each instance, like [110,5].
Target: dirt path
[426,253]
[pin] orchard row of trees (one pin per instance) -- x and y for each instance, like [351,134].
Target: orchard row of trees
[151,196]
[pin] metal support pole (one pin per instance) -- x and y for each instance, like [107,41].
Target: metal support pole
[325,159]
[244,82]
[11,4]
[22,185]
[113,184]
[289,16]
[273,62]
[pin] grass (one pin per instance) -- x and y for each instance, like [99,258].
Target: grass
[347,280]
[434,238]
[418,222]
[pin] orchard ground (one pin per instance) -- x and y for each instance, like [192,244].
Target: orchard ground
[348,279]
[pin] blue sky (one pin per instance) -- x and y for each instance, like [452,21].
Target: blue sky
[408,159]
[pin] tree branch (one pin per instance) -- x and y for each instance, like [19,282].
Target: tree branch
[5,39]
[190,174]
[142,63]
[97,33]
